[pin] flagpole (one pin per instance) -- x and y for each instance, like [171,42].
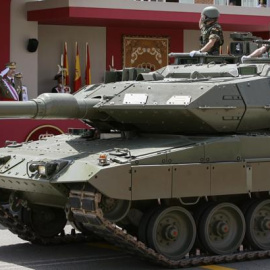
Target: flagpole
[86,52]
[62,73]
[86,62]
[77,80]
[65,56]
[87,65]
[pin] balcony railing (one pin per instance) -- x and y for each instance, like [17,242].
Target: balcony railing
[243,3]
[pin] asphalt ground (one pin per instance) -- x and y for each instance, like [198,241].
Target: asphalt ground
[17,254]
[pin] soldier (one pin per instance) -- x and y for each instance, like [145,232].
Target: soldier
[60,88]
[8,90]
[211,32]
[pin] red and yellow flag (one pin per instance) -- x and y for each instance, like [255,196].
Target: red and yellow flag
[65,66]
[87,66]
[77,77]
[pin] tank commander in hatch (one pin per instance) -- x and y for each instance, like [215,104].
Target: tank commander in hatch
[211,32]
[8,90]
[60,88]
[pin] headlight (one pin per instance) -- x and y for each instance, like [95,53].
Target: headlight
[47,168]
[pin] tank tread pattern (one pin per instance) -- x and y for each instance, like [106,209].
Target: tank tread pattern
[95,221]
[16,226]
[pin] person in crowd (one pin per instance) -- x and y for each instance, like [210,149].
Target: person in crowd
[22,89]
[232,3]
[60,88]
[211,32]
[261,3]
[8,90]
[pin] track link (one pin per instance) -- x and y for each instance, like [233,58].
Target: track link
[85,209]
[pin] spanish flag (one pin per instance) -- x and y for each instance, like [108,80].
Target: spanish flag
[87,66]
[65,66]
[77,78]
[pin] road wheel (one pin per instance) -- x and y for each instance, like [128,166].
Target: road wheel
[222,228]
[171,231]
[258,225]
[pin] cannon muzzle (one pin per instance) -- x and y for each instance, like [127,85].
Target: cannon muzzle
[49,106]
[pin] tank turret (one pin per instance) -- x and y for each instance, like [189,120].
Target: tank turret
[178,99]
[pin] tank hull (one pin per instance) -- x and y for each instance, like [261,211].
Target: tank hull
[196,183]
[160,166]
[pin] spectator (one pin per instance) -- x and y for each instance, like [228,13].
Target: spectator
[261,3]
[60,88]
[22,89]
[8,90]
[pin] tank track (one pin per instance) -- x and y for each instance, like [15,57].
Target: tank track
[85,209]
[16,226]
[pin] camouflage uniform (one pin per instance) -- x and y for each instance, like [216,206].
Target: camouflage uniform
[209,32]
[267,48]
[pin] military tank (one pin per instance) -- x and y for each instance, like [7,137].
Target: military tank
[176,168]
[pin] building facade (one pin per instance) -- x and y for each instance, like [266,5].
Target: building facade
[104,25]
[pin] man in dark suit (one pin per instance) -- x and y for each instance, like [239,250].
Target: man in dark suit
[8,90]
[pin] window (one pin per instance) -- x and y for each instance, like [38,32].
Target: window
[249,3]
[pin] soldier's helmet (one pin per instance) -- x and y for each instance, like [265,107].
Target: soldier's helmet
[211,12]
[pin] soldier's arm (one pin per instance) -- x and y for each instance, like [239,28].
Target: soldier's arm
[4,72]
[214,36]
[209,45]
[259,51]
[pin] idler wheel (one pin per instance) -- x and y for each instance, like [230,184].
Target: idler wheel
[258,225]
[113,209]
[171,231]
[45,221]
[222,228]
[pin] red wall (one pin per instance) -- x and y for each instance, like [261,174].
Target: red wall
[115,35]
[263,35]
[5,32]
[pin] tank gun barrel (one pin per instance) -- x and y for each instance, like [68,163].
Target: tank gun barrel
[49,106]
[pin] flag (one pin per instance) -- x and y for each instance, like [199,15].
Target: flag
[87,67]
[65,66]
[77,77]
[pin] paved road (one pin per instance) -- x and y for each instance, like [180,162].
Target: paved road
[17,254]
